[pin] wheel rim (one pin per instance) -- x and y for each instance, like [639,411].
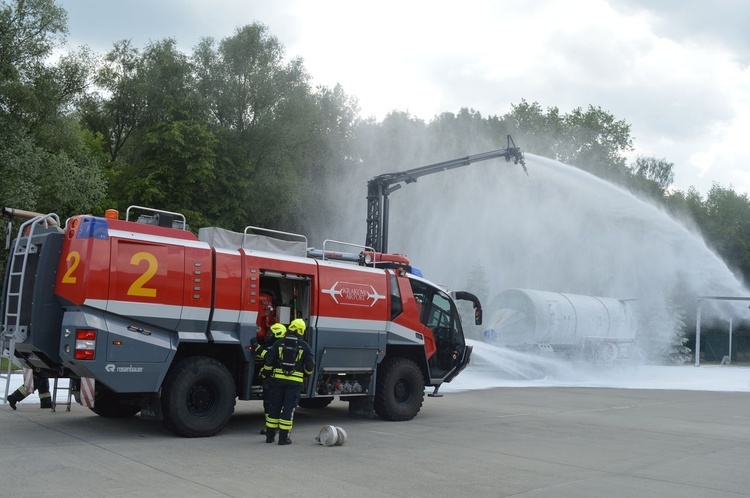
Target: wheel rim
[402,391]
[201,399]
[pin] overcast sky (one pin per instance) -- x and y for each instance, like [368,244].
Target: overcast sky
[678,71]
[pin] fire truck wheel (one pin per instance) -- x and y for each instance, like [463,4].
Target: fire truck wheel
[315,403]
[198,397]
[400,391]
[109,405]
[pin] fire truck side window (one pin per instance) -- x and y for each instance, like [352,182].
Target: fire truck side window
[437,310]
[421,296]
[439,313]
[441,316]
[397,306]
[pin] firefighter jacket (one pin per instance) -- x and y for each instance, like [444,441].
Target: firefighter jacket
[303,364]
[261,350]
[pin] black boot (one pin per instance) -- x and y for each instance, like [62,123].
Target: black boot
[284,438]
[270,435]
[45,400]
[15,398]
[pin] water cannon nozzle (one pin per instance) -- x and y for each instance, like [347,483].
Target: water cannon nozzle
[520,159]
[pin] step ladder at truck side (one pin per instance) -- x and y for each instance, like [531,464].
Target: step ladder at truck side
[65,388]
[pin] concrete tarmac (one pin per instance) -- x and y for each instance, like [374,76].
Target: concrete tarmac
[527,442]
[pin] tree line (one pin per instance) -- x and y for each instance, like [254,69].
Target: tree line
[235,131]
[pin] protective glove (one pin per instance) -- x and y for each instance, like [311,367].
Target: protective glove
[254,342]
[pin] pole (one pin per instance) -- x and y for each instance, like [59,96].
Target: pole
[698,334]
[730,342]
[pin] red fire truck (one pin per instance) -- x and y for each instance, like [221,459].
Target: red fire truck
[144,316]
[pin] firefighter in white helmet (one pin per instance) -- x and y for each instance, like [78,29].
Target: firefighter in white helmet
[289,361]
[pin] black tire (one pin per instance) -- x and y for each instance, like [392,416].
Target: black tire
[110,405]
[315,403]
[400,390]
[198,397]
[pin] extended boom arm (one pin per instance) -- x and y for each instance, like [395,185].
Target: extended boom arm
[380,187]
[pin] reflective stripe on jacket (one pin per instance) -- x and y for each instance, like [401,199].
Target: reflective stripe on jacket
[305,362]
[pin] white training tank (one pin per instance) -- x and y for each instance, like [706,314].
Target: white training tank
[522,316]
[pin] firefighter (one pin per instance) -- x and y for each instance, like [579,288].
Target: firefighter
[41,384]
[289,361]
[278,331]
[298,327]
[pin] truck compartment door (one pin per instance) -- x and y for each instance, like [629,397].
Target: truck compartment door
[346,371]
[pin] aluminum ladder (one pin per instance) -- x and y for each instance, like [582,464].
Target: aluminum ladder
[56,388]
[13,331]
